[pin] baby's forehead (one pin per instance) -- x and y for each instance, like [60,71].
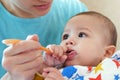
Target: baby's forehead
[91,24]
[85,21]
[97,21]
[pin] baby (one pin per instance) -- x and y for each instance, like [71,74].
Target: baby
[88,42]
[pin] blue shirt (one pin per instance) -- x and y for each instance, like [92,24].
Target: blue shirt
[48,27]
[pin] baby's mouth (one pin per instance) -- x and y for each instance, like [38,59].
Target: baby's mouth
[70,54]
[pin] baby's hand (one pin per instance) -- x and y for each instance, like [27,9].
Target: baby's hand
[52,74]
[57,57]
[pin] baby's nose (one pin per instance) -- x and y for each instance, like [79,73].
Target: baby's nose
[70,43]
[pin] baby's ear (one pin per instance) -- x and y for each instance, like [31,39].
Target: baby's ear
[109,50]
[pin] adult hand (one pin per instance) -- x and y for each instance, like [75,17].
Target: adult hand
[23,59]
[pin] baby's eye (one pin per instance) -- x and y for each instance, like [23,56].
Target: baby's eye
[81,34]
[65,36]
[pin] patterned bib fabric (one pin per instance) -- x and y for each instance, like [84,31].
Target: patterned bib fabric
[108,69]
[116,55]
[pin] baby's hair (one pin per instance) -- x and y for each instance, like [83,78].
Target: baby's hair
[110,27]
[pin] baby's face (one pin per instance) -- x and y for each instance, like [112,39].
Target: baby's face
[32,8]
[84,40]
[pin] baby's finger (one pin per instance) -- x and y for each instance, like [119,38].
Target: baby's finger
[63,58]
[53,74]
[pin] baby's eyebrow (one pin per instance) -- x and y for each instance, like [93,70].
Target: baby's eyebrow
[84,29]
[66,30]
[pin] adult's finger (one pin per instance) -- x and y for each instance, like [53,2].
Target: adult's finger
[21,47]
[33,37]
